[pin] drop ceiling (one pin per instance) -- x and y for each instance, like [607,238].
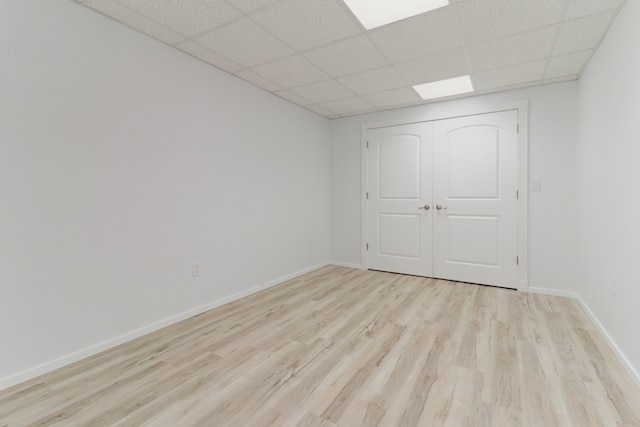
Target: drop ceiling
[316,54]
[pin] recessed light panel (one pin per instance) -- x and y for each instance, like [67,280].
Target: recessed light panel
[443,88]
[376,13]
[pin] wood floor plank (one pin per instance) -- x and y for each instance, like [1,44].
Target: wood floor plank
[535,398]
[346,347]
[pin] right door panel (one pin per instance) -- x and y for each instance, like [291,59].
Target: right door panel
[475,183]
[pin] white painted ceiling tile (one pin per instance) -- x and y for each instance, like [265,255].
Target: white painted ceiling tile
[419,36]
[294,47]
[514,87]
[347,106]
[135,20]
[583,33]
[291,72]
[483,20]
[400,96]
[290,96]
[439,66]
[348,56]
[188,17]
[245,43]
[208,56]
[250,5]
[258,80]
[524,47]
[328,90]
[305,24]
[372,81]
[509,76]
[567,65]
[580,8]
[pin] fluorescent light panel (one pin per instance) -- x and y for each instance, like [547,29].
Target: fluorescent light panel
[376,13]
[442,88]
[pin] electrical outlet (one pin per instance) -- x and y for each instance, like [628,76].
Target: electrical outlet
[614,285]
[195,269]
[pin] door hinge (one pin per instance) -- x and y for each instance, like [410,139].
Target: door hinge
[367,246]
[518,128]
[367,144]
[517,194]
[367,195]
[517,260]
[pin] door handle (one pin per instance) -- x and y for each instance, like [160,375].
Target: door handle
[440,207]
[425,207]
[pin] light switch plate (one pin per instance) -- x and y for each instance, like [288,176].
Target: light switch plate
[195,269]
[536,185]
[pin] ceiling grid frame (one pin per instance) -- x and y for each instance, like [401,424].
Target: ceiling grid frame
[294,50]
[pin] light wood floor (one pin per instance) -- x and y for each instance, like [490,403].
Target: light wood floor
[343,347]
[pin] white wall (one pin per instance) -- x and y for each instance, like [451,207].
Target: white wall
[552,124]
[122,161]
[608,183]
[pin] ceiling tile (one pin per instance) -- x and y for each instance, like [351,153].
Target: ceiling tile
[347,106]
[245,43]
[483,20]
[305,24]
[250,5]
[135,20]
[290,96]
[327,90]
[372,81]
[188,17]
[439,66]
[419,36]
[511,50]
[255,78]
[208,56]
[389,98]
[291,72]
[509,76]
[580,8]
[348,56]
[582,33]
[567,65]
[314,53]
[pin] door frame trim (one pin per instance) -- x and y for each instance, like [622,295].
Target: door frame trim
[449,112]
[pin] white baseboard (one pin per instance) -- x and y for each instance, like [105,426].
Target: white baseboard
[105,345]
[283,279]
[553,292]
[635,376]
[90,351]
[346,264]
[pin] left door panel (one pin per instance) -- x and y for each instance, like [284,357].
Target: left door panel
[400,195]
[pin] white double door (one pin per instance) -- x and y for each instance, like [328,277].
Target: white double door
[442,199]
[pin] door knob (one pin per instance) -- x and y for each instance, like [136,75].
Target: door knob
[425,207]
[440,207]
